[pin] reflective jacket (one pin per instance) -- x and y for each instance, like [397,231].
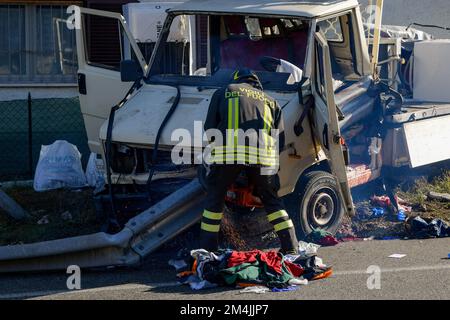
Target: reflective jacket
[246,118]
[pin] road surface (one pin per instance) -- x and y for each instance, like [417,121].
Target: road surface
[404,12]
[424,273]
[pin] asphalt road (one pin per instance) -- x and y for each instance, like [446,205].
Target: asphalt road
[424,273]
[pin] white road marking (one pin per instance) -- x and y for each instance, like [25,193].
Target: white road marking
[405,269]
[25,295]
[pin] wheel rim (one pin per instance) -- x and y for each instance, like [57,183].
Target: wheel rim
[323,208]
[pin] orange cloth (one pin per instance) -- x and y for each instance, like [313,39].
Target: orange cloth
[323,275]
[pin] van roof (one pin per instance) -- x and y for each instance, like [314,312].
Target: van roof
[299,8]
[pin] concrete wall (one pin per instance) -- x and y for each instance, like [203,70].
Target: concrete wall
[404,12]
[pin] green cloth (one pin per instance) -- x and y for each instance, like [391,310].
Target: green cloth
[257,272]
[317,235]
[248,272]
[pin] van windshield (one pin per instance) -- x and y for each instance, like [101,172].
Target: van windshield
[207,49]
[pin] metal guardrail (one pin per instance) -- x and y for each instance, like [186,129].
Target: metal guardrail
[140,236]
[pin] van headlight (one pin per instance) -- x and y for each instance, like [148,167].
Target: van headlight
[123,159]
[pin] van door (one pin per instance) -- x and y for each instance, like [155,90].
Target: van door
[326,118]
[99,84]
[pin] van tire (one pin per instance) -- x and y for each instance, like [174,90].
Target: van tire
[315,203]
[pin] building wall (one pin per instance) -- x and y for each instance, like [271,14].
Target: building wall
[103,47]
[15,86]
[404,12]
[37,75]
[21,93]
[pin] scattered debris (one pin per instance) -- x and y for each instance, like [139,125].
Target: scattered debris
[50,204]
[346,233]
[445,197]
[408,201]
[363,211]
[66,216]
[177,264]
[328,241]
[377,212]
[247,269]
[300,282]
[307,249]
[381,201]
[44,220]
[397,256]
[255,289]
[426,228]
[390,238]
[403,205]
[323,238]
[401,216]
[287,289]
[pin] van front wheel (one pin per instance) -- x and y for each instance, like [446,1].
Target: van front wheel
[315,204]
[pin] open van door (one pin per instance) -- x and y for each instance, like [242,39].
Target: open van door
[326,118]
[99,84]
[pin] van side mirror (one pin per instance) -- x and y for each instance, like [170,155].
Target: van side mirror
[130,71]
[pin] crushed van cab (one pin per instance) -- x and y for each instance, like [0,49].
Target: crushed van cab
[345,118]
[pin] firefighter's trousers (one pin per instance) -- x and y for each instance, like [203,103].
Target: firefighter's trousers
[219,179]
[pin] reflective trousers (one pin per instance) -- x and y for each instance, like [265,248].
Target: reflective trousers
[219,179]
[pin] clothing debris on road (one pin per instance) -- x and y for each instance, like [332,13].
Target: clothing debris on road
[255,289]
[245,269]
[323,238]
[306,249]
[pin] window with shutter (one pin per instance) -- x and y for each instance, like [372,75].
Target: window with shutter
[35,44]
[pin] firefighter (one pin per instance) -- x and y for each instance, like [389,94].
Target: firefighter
[243,105]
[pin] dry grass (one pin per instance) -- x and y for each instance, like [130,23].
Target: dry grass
[414,191]
[52,204]
[417,196]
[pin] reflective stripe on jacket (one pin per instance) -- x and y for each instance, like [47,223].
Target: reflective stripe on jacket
[247,119]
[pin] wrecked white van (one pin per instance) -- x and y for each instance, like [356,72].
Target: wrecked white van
[343,128]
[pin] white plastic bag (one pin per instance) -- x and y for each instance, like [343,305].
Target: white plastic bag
[59,166]
[307,249]
[94,173]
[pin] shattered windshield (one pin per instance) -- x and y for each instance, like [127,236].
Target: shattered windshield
[207,49]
